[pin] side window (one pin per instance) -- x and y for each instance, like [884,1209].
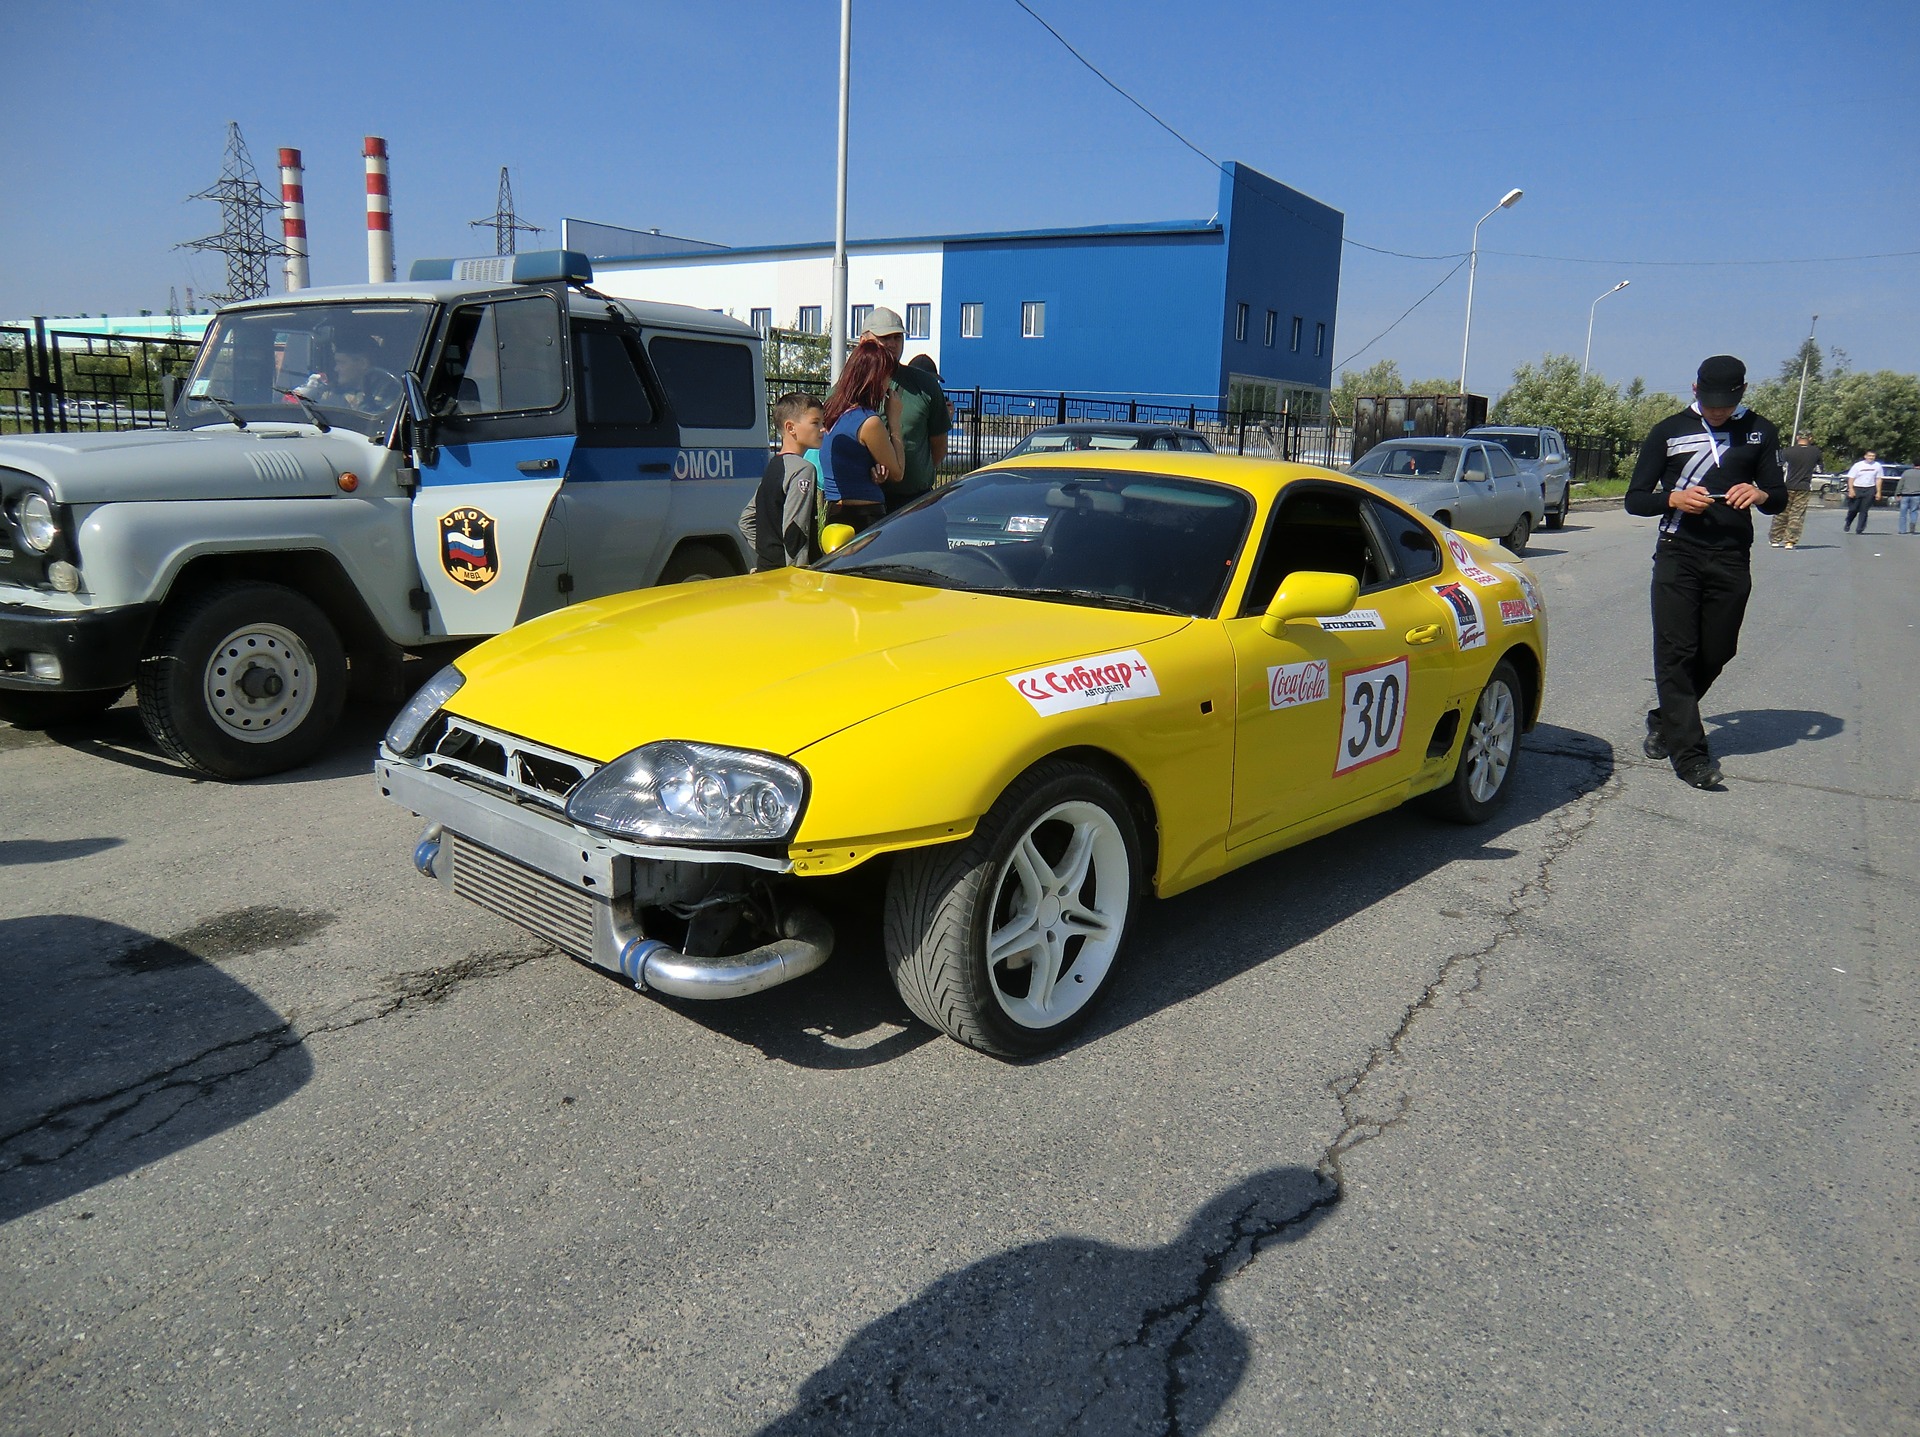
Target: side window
[1502,462]
[1415,553]
[1476,466]
[1318,529]
[502,358]
[612,393]
[1194,444]
[708,382]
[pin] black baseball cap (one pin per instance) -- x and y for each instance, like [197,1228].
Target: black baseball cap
[1721,380]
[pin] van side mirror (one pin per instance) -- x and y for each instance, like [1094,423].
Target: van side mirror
[835,536]
[419,424]
[1309,594]
[171,386]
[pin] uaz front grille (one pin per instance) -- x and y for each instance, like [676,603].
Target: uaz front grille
[544,906]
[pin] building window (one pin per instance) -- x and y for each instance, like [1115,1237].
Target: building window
[1240,321]
[1297,323]
[1273,327]
[762,322]
[1319,340]
[973,320]
[809,320]
[861,314]
[1033,320]
[919,321]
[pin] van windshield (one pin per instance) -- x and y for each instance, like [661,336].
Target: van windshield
[345,360]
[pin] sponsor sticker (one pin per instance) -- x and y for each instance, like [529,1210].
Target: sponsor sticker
[1463,560]
[1354,619]
[468,551]
[1469,627]
[1292,684]
[1516,611]
[1527,587]
[1087,683]
[1374,715]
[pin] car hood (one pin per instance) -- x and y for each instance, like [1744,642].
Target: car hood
[772,661]
[220,463]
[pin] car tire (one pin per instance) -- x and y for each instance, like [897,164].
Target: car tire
[1483,775]
[1557,516]
[242,680]
[1048,882]
[693,562]
[1522,530]
[26,709]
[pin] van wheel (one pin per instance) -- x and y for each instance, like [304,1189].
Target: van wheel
[24,708]
[1556,517]
[243,679]
[692,562]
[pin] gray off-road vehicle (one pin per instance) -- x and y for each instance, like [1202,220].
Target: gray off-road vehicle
[348,475]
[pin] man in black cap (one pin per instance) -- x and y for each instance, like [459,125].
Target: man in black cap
[1699,472]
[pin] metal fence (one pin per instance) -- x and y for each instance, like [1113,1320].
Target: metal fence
[56,382]
[1595,456]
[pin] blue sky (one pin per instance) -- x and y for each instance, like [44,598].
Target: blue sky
[1639,132]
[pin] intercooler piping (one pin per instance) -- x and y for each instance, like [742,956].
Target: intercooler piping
[805,943]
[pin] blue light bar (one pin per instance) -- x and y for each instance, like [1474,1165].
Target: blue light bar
[542,266]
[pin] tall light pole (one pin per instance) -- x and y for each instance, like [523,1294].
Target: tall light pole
[1507,201]
[1590,309]
[837,350]
[1806,358]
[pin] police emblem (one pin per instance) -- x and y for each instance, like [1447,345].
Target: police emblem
[467,549]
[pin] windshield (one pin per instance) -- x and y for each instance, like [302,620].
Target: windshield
[1520,446]
[345,360]
[1136,541]
[1409,461]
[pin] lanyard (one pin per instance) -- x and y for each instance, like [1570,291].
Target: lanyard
[1712,443]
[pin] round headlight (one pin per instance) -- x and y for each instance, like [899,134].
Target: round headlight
[36,523]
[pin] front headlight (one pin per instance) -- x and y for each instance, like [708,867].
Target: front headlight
[405,730]
[37,526]
[692,793]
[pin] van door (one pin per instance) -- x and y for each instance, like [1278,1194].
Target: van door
[718,396]
[503,433]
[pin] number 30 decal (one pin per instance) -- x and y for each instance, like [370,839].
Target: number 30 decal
[1375,715]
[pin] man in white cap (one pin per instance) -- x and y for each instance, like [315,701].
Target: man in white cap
[925,415]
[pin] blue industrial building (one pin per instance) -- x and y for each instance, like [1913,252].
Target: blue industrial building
[1236,310]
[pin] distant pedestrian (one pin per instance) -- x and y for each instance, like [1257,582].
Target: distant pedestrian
[925,415]
[1800,463]
[1699,472]
[860,452]
[1864,483]
[1909,492]
[778,522]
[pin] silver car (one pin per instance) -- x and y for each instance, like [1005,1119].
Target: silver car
[1543,450]
[1463,483]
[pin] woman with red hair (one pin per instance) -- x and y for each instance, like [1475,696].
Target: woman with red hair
[860,452]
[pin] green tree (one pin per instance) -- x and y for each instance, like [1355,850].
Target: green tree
[1556,393]
[1380,377]
[1878,410]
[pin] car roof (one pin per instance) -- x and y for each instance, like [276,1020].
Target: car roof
[646,313]
[1454,440]
[1513,429]
[1117,426]
[1262,478]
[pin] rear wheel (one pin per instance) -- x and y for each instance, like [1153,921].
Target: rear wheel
[1488,754]
[1522,530]
[1006,941]
[24,708]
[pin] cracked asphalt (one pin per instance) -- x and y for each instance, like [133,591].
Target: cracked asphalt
[1601,1118]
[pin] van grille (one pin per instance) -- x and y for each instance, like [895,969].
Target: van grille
[542,905]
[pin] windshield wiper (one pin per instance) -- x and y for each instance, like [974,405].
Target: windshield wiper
[225,406]
[1095,597]
[312,409]
[910,573]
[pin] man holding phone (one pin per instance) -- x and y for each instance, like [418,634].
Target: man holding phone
[1700,471]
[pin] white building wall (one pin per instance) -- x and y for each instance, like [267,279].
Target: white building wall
[784,282]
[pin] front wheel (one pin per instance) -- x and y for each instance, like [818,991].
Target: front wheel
[1487,755]
[243,680]
[1557,516]
[25,708]
[1006,941]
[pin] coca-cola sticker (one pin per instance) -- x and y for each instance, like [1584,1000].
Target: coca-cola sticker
[1291,684]
[1463,560]
[1087,683]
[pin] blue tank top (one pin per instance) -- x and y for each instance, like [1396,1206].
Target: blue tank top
[846,465]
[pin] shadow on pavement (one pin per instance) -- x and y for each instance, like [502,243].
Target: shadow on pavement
[52,850]
[118,736]
[1068,1334]
[118,1048]
[1764,730]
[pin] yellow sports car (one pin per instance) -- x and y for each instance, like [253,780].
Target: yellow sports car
[1034,695]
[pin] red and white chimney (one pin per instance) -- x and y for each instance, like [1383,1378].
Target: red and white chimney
[293,218]
[379,214]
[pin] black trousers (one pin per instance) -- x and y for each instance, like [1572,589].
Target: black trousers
[1859,505]
[1699,599]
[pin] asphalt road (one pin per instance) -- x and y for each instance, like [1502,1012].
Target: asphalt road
[1599,1119]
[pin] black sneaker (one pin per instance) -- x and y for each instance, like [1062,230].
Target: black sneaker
[1653,745]
[1701,773]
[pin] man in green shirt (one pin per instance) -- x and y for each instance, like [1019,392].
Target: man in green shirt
[925,415]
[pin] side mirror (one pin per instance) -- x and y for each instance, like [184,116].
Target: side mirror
[419,422]
[171,386]
[837,536]
[1309,594]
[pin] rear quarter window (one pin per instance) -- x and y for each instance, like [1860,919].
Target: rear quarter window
[709,382]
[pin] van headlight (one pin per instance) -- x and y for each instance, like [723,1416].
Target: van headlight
[689,792]
[37,524]
[403,734]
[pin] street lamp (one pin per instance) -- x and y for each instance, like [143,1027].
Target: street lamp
[1806,359]
[837,345]
[1507,202]
[1590,309]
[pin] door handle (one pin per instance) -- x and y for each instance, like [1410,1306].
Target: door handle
[537,466]
[1425,634]
[658,467]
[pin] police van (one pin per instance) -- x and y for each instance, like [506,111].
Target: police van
[349,475]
